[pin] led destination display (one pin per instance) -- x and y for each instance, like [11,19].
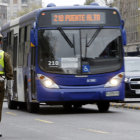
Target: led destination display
[78,18]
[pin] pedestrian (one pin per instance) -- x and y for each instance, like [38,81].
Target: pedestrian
[6,71]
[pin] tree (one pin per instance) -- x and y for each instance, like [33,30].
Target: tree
[106,2]
[27,10]
[87,2]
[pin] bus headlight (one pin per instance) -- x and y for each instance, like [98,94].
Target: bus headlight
[115,81]
[47,82]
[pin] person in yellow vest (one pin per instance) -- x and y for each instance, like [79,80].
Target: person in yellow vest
[6,71]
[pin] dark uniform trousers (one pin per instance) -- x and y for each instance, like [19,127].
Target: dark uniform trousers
[2,90]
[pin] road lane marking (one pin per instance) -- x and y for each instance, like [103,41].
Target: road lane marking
[45,121]
[95,131]
[10,113]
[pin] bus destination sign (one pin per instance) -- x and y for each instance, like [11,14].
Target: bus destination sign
[76,18]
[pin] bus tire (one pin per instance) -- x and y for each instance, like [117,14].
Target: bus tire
[67,107]
[77,106]
[11,104]
[103,106]
[32,107]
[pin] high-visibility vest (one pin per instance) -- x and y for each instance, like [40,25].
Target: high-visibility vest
[1,62]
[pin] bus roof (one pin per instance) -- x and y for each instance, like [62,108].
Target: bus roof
[32,16]
[77,7]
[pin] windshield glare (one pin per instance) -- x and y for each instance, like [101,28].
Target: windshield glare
[81,51]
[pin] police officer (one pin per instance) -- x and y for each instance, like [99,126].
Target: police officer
[6,71]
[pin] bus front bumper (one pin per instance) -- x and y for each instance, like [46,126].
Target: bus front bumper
[90,93]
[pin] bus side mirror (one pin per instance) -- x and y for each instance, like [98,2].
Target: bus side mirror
[122,24]
[124,38]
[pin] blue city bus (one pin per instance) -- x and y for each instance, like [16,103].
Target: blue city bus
[69,56]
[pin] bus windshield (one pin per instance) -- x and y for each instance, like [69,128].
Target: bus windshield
[80,51]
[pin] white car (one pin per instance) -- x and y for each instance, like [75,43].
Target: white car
[132,77]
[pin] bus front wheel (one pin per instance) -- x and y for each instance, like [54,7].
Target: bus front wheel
[103,106]
[11,104]
[32,107]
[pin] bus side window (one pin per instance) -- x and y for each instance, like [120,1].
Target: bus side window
[21,46]
[15,50]
[9,45]
[26,44]
[5,44]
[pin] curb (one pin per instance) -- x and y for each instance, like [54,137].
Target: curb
[126,105]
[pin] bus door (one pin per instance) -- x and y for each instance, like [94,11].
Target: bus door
[20,66]
[33,56]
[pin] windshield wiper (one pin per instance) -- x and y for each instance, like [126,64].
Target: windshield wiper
[66,37]
[91,40]
[93,37]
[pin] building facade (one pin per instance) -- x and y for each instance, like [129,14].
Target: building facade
[10,9]
[15,6]
[130,12]
[3,11]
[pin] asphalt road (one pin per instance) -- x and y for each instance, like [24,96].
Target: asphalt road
[53,123]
